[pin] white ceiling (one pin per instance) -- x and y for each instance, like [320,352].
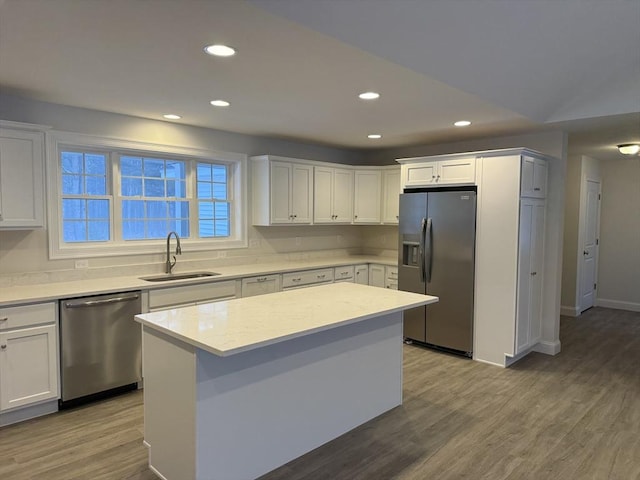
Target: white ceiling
[507,65]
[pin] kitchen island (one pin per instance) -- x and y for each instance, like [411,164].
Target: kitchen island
[235,389]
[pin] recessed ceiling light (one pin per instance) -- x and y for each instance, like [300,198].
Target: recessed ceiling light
[171,116]
[462,123]
[220,103]
[629,148]
[374,135]
[369,95]
[220,50]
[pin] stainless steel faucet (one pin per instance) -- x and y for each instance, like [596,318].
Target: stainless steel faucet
[171,264]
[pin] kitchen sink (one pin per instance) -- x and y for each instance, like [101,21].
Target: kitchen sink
[167,277]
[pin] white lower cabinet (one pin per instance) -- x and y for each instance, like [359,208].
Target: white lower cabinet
[28,355]
[344,274]
[308,278]
[377,275]
[187,295]
[391,277]
[362,274]
[252,286]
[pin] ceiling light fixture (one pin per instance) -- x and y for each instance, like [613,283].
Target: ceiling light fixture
[462,123]
[220,103]
[220,50]
[171,116]
[374,135]
[629,148]
[369,95]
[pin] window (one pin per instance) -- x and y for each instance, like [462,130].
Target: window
[112,198]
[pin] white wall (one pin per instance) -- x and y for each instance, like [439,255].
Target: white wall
[619,262]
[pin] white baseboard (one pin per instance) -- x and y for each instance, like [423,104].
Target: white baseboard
[548,348]
[569,311]
[617,304]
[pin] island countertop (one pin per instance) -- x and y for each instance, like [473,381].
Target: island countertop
[239,325]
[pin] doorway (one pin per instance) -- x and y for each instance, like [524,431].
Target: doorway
[589,243]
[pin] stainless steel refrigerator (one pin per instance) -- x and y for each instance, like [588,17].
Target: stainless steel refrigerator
[437,230]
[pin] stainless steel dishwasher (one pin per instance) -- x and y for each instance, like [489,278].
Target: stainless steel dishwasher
[100,346]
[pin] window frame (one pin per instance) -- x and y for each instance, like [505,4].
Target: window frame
[114,148]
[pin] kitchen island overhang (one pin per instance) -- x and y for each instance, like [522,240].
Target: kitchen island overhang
[237,388]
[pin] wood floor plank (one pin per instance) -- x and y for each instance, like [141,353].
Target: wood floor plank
[572,416]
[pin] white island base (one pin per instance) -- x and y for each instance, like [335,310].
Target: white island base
[239,416]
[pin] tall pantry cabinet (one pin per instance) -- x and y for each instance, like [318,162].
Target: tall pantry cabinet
[509,256]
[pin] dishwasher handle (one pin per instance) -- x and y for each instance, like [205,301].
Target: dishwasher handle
[105,301]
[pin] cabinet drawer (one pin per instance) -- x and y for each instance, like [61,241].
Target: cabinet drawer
[392,273]
[261,285]
[27,315]
[175,296]
[309,277]
[343,273]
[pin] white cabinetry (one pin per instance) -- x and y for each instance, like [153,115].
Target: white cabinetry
[252,286]
[377,275]
[391,196]
[186,295]
[391,277]
[28,355]
[333,195]
[282,191]
[307,278]
[530,274]
[344,274]
[21,177]
[367,196]
[533,182]
[362,274]
[428,171]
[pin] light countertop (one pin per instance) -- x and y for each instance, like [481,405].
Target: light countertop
[233,326]
[34,293]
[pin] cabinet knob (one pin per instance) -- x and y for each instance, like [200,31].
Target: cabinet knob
[295,216]
[3,347]
[534,273]
[536,189]
[585,253]
[355,216]
[4,319]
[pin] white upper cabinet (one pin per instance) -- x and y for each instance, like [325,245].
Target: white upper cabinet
[367,196]
[391,196]
[333,195]
[21,177]
[282,191]
[533,182]
[426,171]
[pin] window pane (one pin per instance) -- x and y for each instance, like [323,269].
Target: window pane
[205,228]
[204,190]
[176,188]
[95,164]
[220,173]
[221,210]
[219,191]
[98,209]
[132,209]
[73,208]
[71,162]
[153,188]
[96,185]
[153,168]
[157,229]
[183,228]
[74,231]
[131,166]
[205,210]
[131,187]
[175,169]
[156,209]
[133,230]
[204,172]
[72,185]
[178,209]
[221,228]
[98,231]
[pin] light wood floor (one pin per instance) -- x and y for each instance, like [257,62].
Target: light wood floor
[573,416]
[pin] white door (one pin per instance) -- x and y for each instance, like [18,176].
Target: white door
[280,192]
[391,197]
[590,233]
[367,197]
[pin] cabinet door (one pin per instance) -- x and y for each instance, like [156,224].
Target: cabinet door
[28,366]
[523,308]
[21,179]
[537,266]
[367,196]
[260,285]
[457,171]
[419,174]
[533,177]
[322,184]
[280,192]
[301,193]
[342,195]
[390,205]
[362,274]
[377,276]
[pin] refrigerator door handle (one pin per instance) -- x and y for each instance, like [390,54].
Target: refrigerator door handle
[428,234]
[423,232]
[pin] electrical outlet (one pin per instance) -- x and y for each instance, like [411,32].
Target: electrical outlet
[298,241]
[82,264]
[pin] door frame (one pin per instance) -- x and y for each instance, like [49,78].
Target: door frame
[582,223]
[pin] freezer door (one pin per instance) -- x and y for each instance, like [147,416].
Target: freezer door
[411,266]
[450,247]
